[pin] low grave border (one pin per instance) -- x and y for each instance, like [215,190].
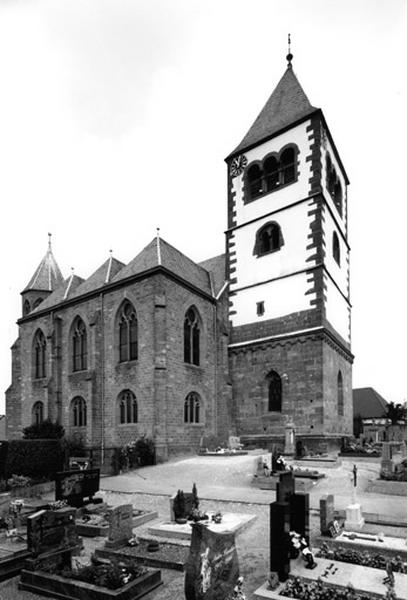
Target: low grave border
[150,561]
[47,584]
[387,486]
[360,546]
[11,565]
[103,530]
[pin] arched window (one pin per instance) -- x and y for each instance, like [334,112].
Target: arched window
[37,413]
[26,307]
[191,408]
[191,337]
[340,394]
[79,346]
[271,173]
[40,355]
[255,181]
[333,184]
[288,174]
[127,333]
[338,196]
[37,302]
[336,249]
[275,392]
[78,412]
[127,407]
[268,239]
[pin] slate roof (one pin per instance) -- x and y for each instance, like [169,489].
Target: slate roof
[287,104]
[217,268]
[63,292]
[47,276]
[368,403]
[159,252]
[103,275]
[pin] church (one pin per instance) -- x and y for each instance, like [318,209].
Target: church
[243,343]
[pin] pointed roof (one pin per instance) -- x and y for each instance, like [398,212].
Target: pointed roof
[102,276]
[286,105]
[63,292]
[47,276]
[217,268]
[159,253]
[368,403]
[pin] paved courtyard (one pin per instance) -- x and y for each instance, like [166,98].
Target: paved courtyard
[224,483]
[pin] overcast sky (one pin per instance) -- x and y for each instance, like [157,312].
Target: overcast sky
[116,115]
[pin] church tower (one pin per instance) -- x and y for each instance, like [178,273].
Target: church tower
[288,267]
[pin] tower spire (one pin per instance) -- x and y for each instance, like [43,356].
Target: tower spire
[289,56]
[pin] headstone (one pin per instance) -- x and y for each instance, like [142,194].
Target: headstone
[181,510]
[299,449]
[354,518]
[289,445]
[299,514]
[234,443]
[326,513]
[74,486]
[285,487]
[51,530]
[120,525]
[403,449]
[279,539]
[212,569]
[387,464]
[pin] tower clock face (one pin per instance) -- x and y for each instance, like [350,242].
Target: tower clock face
[237,166]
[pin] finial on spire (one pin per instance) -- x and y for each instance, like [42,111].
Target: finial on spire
[49,241]
[158,232]
[158,246]
[111,253]
[289,56]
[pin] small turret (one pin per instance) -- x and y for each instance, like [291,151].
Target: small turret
[47,277]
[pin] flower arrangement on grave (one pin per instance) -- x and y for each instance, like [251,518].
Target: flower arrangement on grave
[238,593]
[317,590]
[198,515]
[57,504]
[217,517]
[363,558]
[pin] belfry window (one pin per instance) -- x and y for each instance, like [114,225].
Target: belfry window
[274,392]
[191,337]
[127,333]
[255,180]
[79,346]
[340,394]
[271,173]
[40,355]
[37,413]
[336,249]
[333,184]
[128,412]
[268,239]
[191,408]
[78,412]
[276,170]
[287,166]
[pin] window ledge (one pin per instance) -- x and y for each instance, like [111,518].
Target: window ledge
[193,367]
[262,195]
[194,424]
[81,375]
[267,253]
[127,424]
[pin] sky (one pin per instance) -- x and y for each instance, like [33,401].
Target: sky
[116,117]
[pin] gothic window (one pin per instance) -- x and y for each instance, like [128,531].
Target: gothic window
[40,355]
[255,180]
[340,394]
[37,413]
[268,239]
[37,302]
[288,174]
[271,173]
[127,408]
[191,337]
[127,333]
[78,412]
[79,346]
[191,408]
[336,249]
[26,308]
[274,392]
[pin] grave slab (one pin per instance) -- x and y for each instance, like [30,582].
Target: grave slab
[231,523]
[89,529]
[168,556]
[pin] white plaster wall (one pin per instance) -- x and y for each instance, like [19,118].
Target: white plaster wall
[339,273]
[292,256]
[281,297]
[337,311]
[327,148]
[286,195]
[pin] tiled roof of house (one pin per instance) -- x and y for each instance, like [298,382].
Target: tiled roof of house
[287,104]
[160,253]
[368,403]
[216,267]
[47,276]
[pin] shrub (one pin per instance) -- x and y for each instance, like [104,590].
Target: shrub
[17,481]
[34,458]
[46,430]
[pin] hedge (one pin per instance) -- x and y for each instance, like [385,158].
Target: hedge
[34,458]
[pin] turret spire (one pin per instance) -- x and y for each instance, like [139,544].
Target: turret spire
[47,276]
[289,56]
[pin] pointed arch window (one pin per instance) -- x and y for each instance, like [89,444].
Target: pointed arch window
[340,394]
[275,392]
[268,239]
[40,355]
[79,346]
[128,410]
[192,406]
[78,412]
[336,249]
[128,333]
[26,308]
[191,337]
[37,302]
[37,413]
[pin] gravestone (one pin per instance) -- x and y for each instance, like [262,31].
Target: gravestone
[300,450]
[279,539]
[182,503]
[120,525]
[74,486]
[212,569]
[50,530]
[289,445]
[285,487]
[234,443]
[387,465]
[299,514]
[404,449]
[326,513]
